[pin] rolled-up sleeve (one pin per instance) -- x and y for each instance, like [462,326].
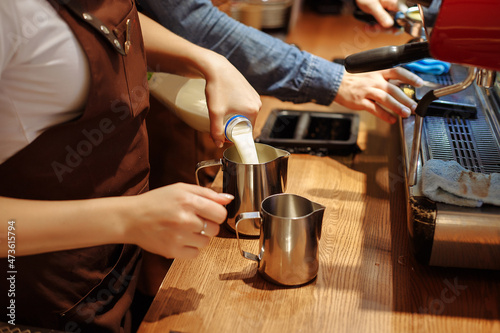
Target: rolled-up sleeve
[272,66]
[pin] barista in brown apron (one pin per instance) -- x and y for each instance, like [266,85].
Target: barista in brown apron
[102,153]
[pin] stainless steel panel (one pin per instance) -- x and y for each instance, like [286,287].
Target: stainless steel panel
[467,237]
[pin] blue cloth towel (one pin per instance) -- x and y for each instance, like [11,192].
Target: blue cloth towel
[429,66]
[449,182]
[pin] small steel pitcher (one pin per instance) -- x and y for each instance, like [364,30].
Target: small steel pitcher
[290,230]
[250,183]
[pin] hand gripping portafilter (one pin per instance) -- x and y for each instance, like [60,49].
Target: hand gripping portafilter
[391,56]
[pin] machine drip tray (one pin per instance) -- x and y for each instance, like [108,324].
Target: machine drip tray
[312,132]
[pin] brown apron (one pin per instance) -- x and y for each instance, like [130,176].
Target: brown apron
[102,153]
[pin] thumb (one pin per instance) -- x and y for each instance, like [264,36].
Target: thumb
[220,198]
[216,116]
[381,15]
[217,130]
[224,198]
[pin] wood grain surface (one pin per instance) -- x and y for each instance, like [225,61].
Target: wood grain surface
[367,281]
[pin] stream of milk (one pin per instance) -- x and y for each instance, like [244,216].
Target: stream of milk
[243,140]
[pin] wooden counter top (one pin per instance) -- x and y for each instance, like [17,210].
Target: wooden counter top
[367,281]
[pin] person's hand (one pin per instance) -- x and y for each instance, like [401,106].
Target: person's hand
[228,93]
[374,93]
[176,221]
[378,8]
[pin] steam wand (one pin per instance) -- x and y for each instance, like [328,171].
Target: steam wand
[421,112]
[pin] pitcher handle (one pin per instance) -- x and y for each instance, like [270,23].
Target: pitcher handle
[206,164]
[240,218]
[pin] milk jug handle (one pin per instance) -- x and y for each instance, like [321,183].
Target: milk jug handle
[242,217]
[206,164]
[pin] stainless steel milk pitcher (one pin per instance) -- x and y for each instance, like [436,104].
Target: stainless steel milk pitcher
[290,230]
[250,183]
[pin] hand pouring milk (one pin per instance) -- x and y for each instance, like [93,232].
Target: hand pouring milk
[187,98]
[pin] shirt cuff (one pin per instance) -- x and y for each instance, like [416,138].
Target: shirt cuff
[321,81]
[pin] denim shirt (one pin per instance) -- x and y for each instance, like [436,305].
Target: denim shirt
[270,65]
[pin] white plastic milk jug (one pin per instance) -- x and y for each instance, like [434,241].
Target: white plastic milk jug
[186,97]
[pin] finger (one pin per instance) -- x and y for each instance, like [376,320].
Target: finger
[254,112]
[390,4]
[208,229]
[209,210]
[385,115]
[216,113]
[217,129]
[186,246]
[187,252]
[190,237]
[221,198]
[401,97]
[403,75]
[379,112]
[386,100]
[381,15]
[209,204]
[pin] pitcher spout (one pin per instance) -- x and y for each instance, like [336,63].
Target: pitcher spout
[317,215]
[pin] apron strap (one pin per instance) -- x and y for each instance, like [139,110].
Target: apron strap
[76,8]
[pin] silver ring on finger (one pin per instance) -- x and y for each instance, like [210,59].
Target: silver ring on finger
[204,231]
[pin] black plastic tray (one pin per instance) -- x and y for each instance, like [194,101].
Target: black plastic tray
[312,132]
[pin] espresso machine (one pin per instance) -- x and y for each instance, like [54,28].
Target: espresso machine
[457,120]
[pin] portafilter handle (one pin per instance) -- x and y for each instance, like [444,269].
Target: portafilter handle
[386,57]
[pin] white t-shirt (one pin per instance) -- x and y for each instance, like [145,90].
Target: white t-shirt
[44,74]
